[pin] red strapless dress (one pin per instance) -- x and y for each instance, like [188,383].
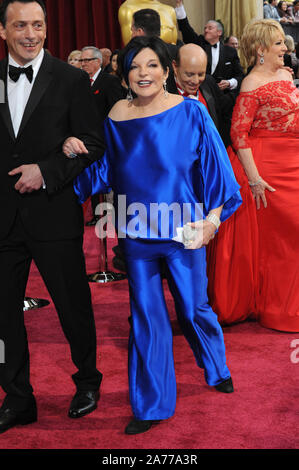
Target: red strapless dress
[253,262]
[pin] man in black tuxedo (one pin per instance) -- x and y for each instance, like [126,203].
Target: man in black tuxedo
[46,101]
[223,61]
[190,79]
[106,89]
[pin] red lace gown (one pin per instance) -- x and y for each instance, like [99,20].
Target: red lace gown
[253,262]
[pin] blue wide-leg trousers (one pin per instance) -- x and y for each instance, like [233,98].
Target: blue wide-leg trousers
[152,382]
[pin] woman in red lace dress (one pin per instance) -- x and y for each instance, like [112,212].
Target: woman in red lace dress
[254,261]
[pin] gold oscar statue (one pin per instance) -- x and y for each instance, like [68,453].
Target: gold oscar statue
[167,15]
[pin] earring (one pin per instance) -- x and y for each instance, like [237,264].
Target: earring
[165,89]
[129,95]
[262,60]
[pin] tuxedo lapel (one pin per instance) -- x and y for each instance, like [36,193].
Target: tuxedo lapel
[95,84]
[220,66]
[208,50]
[4,108]
[39,88]
[206,93]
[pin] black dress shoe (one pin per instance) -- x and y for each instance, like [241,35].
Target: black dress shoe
[226,386]
[83,403]
[10,417]
[137,426]
[93,221]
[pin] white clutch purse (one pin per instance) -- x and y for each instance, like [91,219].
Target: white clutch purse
[187,234]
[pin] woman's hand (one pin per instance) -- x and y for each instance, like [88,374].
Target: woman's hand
[205,233]
[258,192]
[73,146]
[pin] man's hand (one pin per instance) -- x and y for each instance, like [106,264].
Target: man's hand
[223,84]
[73,146]
[31,178]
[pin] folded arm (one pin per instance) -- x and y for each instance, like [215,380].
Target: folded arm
[57,170]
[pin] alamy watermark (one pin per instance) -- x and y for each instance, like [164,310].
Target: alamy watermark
[139,220]
[2,352]
[295,354]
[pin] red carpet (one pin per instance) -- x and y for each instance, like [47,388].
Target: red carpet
[263,412]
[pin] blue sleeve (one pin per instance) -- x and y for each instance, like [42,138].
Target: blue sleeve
[95,179]
[219,185]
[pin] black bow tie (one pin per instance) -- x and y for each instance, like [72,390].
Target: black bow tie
[209,44]
[15,72]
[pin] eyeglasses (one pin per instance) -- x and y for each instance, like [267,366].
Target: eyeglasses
[85,61]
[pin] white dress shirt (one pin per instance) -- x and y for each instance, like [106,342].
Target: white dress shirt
[215,57]
[18,92]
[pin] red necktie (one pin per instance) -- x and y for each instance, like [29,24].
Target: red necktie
[182,92]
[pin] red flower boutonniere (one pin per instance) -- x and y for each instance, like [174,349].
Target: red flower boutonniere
[97,92]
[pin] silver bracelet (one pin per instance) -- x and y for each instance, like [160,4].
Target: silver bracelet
[256,183]
[214,220]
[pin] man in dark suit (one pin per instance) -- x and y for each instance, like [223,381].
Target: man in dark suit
[223,61]
[46,101]
[107,90]
[190,79]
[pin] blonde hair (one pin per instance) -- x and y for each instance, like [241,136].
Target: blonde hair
[289,42]
[73,54]
[259,33]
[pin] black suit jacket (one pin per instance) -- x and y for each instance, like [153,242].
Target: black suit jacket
[229,65]
[107,90]
[60,105]
[220,105]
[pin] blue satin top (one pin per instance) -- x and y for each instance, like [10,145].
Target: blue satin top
[174,159]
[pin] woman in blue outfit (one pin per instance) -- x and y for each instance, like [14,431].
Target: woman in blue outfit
[163,151]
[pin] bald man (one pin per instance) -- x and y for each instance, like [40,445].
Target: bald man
[190,79]
[106,54]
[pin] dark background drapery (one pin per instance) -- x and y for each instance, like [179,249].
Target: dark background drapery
[73,24]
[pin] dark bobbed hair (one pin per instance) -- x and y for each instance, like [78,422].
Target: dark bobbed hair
[136,45]
[279,5]
[5,3]
[148,20]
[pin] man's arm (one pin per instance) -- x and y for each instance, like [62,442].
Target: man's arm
[267,12]
[58,170]
[188,33]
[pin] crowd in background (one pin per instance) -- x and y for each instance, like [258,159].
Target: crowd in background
[285,12]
